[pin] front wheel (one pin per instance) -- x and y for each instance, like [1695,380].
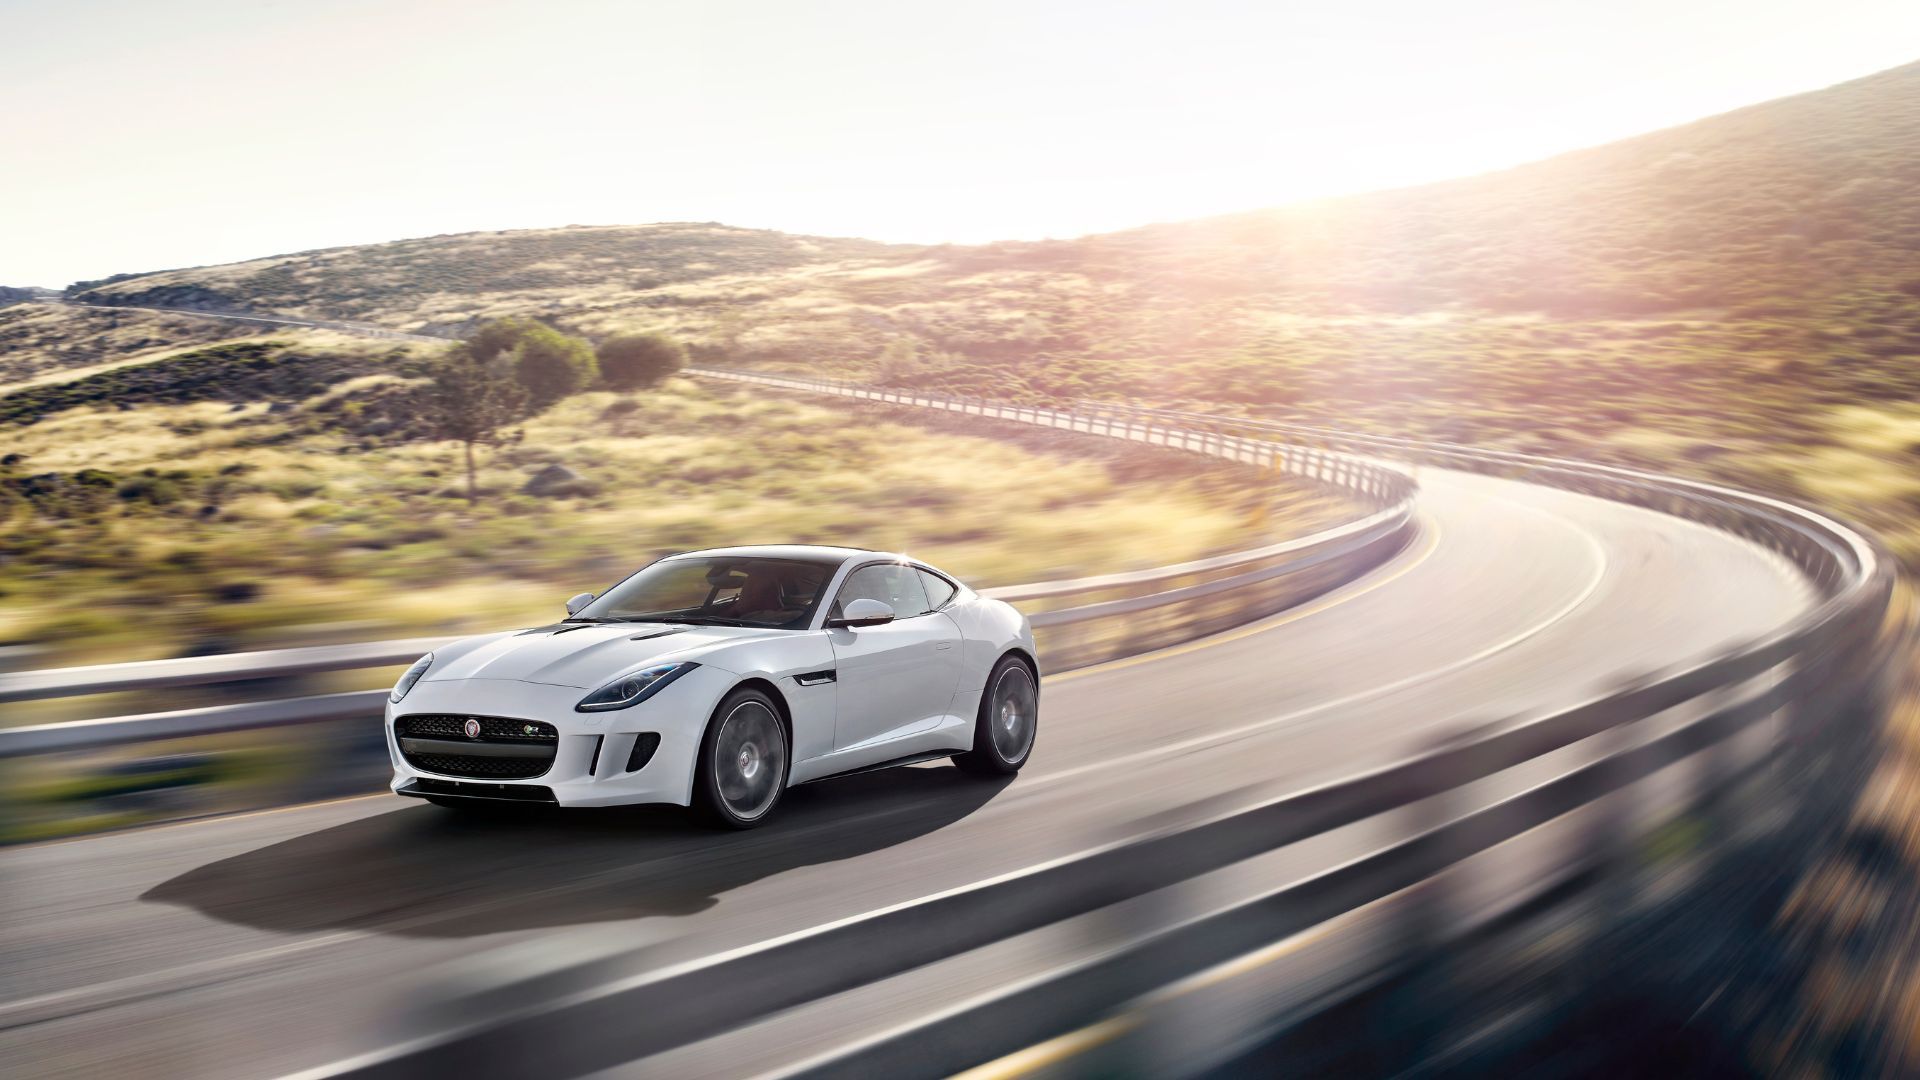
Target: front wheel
[1009,718]
[743,761]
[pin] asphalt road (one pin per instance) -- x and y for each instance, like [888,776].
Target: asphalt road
[267,943]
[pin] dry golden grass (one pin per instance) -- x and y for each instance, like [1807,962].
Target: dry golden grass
[46,340]
[376,539]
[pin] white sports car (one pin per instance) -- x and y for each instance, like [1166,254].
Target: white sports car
[718,678]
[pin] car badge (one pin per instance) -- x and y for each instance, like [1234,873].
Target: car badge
[472,728]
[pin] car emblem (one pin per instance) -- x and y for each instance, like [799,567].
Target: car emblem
[472,728]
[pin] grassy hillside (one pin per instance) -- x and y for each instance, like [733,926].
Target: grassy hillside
[1782,220]
[38,340]
[245,494]
[1738,297]
[444,282]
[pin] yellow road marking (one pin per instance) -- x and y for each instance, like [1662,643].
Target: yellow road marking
[1062,1048]
[1256,959]
[1050,1053]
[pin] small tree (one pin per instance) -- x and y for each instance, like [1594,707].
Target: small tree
[495,339]
[469,402]
[552,365]
[635,361]
[548,363]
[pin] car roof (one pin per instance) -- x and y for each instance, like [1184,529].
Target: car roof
[810,552]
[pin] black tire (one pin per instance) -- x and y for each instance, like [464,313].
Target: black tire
[741,773]
[1008,723]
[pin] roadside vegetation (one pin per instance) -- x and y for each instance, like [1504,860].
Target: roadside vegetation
[257,493]
[50,340]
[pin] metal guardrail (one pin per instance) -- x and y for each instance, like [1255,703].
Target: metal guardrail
[1388,488]
[1188,599]
[1801,675]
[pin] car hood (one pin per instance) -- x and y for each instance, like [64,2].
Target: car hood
[587,656]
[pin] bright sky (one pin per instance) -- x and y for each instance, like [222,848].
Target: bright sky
[141,134]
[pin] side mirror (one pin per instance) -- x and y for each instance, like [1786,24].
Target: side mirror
[574,605]
[864,612]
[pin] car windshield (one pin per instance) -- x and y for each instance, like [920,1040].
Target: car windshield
[716,590]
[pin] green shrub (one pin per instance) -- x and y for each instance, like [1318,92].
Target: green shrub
[550,365]
[152,488]
[634,361]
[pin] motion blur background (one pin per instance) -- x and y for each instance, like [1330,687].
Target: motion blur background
[252,248]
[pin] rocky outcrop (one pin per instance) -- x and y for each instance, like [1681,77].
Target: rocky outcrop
[558,480]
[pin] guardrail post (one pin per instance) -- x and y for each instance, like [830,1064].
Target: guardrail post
[1412,1019]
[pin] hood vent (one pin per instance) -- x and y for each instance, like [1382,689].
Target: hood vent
[556,629]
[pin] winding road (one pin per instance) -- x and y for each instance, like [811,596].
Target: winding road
[281,941]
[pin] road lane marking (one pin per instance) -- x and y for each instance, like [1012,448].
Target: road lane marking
[1231,734]
[217,968]
[1352,591]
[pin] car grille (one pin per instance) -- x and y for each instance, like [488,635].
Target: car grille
[492,728]
[506,749]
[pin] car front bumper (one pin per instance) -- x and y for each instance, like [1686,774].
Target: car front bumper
[592,751]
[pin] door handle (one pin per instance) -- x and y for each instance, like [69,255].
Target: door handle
[943,644]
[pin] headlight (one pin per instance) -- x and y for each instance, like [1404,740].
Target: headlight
[633,688]
[412,676]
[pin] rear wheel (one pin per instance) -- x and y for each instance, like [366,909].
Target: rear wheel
[743,761]
[1009,719]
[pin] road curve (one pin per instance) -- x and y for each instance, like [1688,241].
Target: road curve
[267,943]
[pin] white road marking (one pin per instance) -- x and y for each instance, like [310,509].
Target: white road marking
[1231,734]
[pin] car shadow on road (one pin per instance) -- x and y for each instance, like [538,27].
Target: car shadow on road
[427,871]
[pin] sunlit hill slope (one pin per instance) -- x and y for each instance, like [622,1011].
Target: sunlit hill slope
[1788,208]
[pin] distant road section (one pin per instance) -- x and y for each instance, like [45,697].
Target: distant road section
[363,329]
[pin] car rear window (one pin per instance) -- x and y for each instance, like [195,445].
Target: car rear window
[939,589]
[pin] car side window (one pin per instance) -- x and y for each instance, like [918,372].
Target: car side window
[890,583]
[939,589]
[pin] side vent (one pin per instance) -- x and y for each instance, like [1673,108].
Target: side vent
[644,745]
[594,765]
